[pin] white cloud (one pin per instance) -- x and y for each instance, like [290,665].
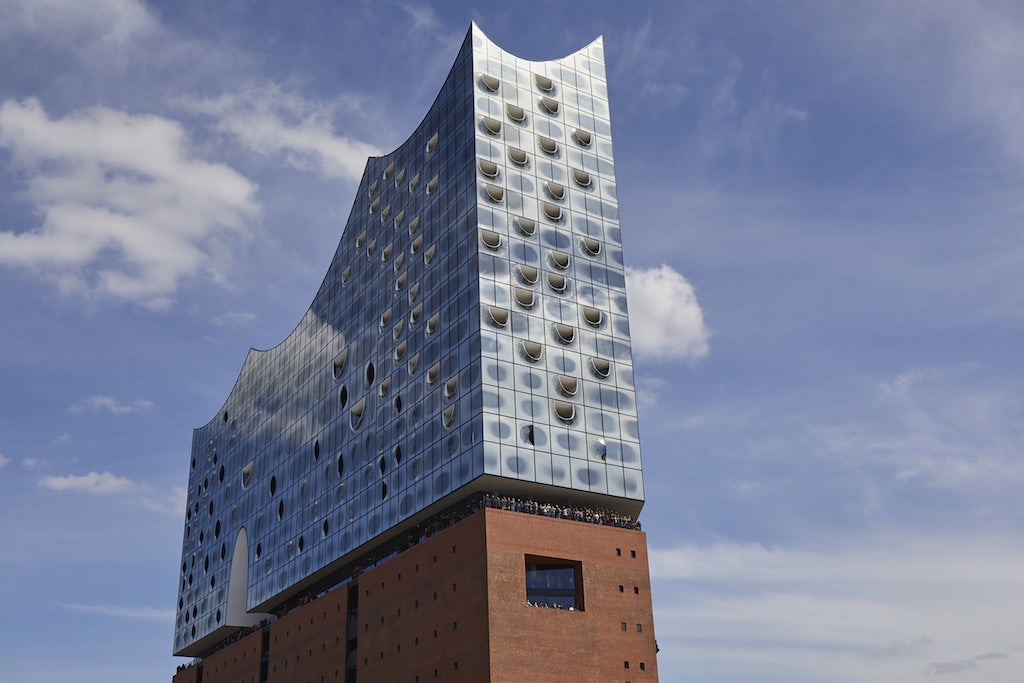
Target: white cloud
[4,460]
[172,503]
[665,319]
[880,610]
[289,129]
[951,428]
[103,483]
[127,211]
[99,24]
[109,404]
[146,613]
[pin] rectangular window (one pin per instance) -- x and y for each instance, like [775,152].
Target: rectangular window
[554,583]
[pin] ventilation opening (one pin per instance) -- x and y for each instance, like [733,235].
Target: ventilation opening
[495,193]
[414,364]
[527,226]
[385,387]
[428,255]
[341,464]
[343,396]
[560,259]
[488,168]
[490,82]
[416,244]
[385,319]
[528,273]
[517,114]
[517,156]
[316,450]
[550,105]
[387,171]
[432,185]
[565,411]
[371,373]
[371,189]
[247,475]
[593,316]
[345,274]
[414,292]
[581,177]
[339,363]
[371,247]
[399,178]
[548,145]
[555,190]
[602,366]
[493,126]
[568,385]
[415,314]
[524,297]
[553,212]
[374,205]
[451,386]
[433,372]
[557,282]
[499,316]
[413,225]
[566,333]
[399,219]
[400,281]
[361,240]
[414,182]
[448,415]
[533,350]
[400,351]
[432,323]
[432,143]
[490,238]
[592,246]
[385,253]
[356,414]
[544,83]
[582,137]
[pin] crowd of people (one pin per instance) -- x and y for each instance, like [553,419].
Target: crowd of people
[576,513]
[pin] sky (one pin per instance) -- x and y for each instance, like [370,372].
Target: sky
[822,212]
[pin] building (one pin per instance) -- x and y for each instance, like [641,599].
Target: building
[436,475]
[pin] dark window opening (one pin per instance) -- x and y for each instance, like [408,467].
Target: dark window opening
[554,583]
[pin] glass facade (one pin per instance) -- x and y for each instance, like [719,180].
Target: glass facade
[471,331]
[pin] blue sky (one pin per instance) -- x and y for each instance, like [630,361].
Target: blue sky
[830,192]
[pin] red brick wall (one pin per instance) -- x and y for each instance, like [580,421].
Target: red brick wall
[307,645]
[426,611]
[189,674]
[453,608]
[237,663]
[541,645]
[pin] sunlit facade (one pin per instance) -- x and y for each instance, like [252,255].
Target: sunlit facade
[470,336]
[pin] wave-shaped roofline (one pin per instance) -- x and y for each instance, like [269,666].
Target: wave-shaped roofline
[254,353]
